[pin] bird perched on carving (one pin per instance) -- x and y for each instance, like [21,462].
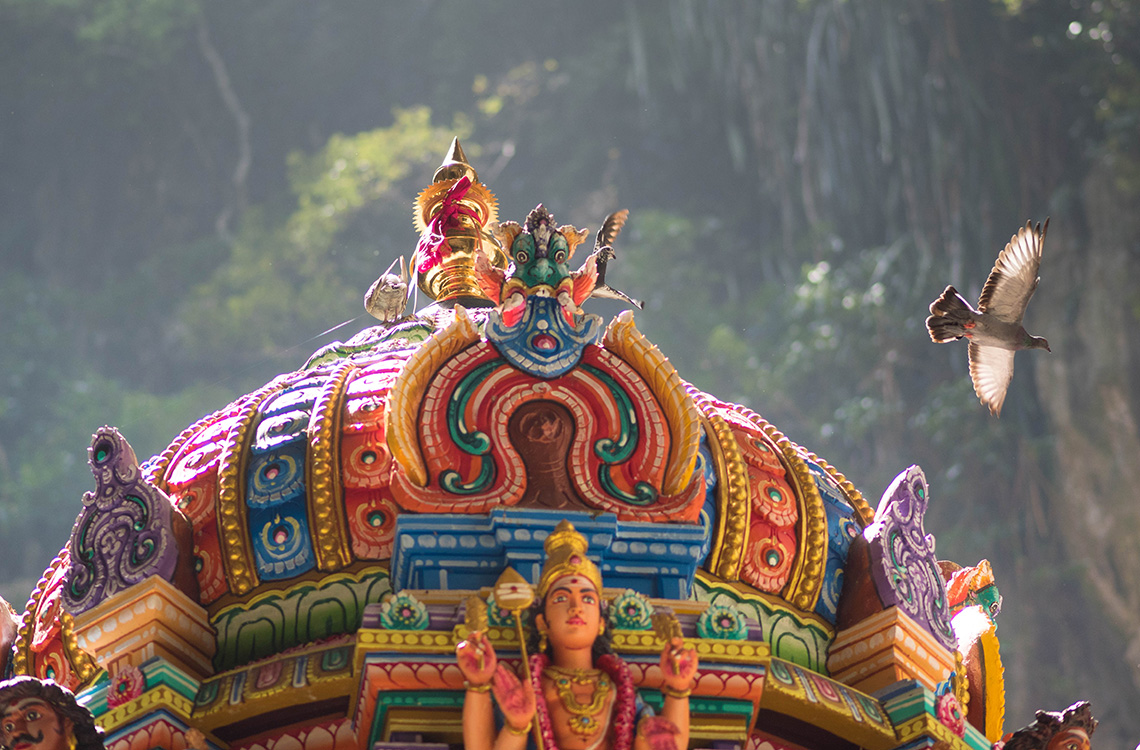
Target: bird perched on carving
[604,253]
[387,298]
[994,329]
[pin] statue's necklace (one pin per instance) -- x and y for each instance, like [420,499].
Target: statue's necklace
[583,716]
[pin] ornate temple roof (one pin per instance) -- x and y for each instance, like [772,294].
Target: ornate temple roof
[416,461]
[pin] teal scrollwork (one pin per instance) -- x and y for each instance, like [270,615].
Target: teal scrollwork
[450,480]
[125,532]
[643,492]
[471,442]
[609,450]
[613,452]
[143,515]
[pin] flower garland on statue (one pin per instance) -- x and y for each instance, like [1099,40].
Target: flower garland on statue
[625,702]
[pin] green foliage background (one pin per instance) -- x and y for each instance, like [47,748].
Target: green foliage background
[195,192]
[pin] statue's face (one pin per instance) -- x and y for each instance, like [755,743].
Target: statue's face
[1069,739]
[32,724]
[551,268]
[573,612]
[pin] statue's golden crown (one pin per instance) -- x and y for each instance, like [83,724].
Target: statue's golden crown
[566,555]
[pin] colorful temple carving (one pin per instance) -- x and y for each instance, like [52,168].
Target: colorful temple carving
[298,568]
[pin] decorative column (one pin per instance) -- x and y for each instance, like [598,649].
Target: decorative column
[133,593]
[885,648]
[894,618]
[150,620]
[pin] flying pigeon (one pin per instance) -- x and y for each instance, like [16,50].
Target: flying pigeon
[386,299]
[994,329]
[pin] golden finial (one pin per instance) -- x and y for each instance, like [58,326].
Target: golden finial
[514,594]
[455,165]
[452,215]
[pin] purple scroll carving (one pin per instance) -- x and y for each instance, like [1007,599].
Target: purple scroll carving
[903,566]
[128,530]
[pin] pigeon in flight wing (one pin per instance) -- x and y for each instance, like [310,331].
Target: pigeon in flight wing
[994,329]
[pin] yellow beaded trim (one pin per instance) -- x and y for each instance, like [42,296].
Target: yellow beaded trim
[325,501]
[733,493]
[233,521]
[623,339]
[854,496]
[156,473]
[85,667]
[806,581]
[406,394]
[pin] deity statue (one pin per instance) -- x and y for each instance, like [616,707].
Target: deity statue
[41,715]
[580,695]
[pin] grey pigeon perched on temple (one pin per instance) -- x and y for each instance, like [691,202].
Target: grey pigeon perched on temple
[387,298]
[994,329]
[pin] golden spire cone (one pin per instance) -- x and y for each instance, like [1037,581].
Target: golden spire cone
[451,276]
[455,165]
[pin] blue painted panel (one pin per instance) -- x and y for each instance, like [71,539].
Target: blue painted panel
[282,547]
[453,552]
[277,476]
[841,529]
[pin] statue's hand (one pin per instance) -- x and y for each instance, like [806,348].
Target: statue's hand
[515,698]
[656,733]
[678,665]
[477,660]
